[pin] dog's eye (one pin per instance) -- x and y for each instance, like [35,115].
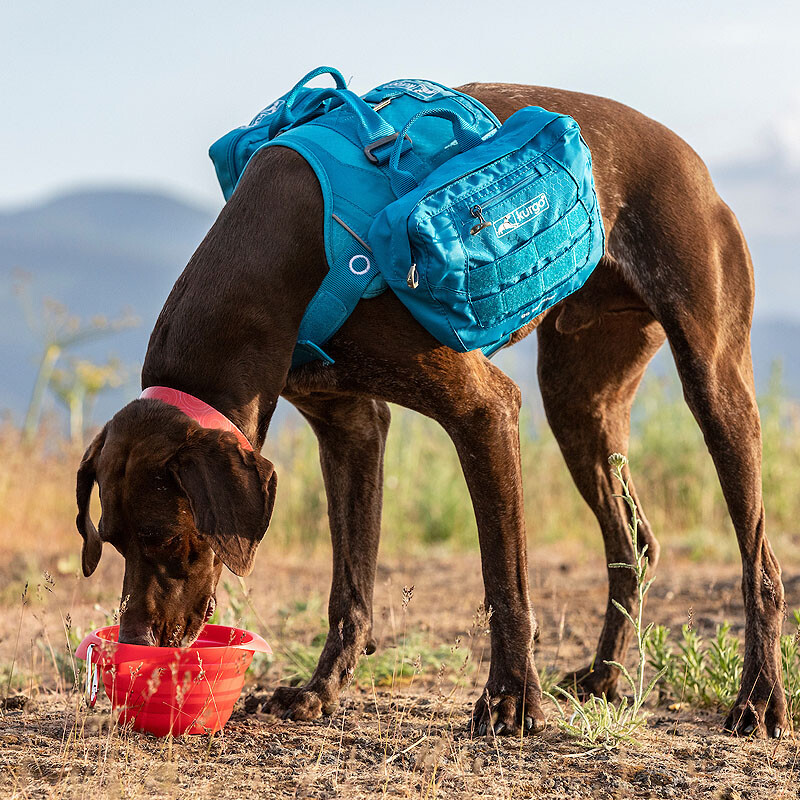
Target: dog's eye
[160,483]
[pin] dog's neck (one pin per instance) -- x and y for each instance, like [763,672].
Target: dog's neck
[228,329]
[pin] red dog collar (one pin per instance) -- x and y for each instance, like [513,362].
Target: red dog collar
[193,407]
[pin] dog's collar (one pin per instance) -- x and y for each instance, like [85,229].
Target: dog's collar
[197,409]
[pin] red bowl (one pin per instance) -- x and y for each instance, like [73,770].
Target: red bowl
[173,689]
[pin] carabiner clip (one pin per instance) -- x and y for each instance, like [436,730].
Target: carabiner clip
[90,689]
[477,212]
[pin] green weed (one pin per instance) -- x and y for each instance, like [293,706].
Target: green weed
[598,722]
[708,674]
[393,664]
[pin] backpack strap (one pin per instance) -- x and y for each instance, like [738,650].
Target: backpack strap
[351,267]
[343,286]
[354,267]
[370,126]
[467,136]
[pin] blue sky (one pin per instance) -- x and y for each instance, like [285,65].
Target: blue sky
[112,93]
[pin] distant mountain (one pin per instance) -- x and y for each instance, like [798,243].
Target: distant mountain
[90,236]
[98,252]
[106,251]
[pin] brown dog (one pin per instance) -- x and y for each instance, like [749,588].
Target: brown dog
[179,501]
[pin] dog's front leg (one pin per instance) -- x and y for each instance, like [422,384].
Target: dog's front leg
[351,434]
[485,430]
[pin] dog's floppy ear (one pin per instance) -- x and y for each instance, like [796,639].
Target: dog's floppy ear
[87,475]
[231,493]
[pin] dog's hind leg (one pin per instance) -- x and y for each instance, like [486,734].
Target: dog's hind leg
[352,434]
[706,313]
[588,379]
[692,272]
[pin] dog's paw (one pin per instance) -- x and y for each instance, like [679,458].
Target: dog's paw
[299,703]
[505,713]
[759,714]
[592,680]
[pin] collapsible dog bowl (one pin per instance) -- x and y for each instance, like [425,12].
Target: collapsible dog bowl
[171,689]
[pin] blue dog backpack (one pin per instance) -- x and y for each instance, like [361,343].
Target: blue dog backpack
[496,235]
[476,227]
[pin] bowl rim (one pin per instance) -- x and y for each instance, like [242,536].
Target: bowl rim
[115,651]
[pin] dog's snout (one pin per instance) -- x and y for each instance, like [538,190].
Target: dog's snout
[172,631]
[136,634]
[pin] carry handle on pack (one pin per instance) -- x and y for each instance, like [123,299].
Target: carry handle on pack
[465,132]
[284,116]
[374,126]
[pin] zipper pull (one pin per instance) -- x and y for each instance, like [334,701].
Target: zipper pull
[412,279]
[477,212]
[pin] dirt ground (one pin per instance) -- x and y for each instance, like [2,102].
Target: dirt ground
[408,739]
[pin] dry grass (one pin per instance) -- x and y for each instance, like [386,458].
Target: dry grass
[426,501]
[406,737]
[401,730]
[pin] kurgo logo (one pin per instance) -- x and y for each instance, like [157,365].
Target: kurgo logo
[521,215]
[268,111]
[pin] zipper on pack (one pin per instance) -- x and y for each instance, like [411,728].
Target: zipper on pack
[541,170]
[541,165]
[477,211]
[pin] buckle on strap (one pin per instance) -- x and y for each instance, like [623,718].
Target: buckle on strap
[383,141]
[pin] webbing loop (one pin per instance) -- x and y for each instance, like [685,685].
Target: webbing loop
[467,136]
[283,117]
[90,688]
[373,127]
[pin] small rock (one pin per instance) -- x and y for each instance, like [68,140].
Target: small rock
[17,703]
[653,777]
[253,702]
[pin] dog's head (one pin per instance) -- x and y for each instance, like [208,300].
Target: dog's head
[178,501]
